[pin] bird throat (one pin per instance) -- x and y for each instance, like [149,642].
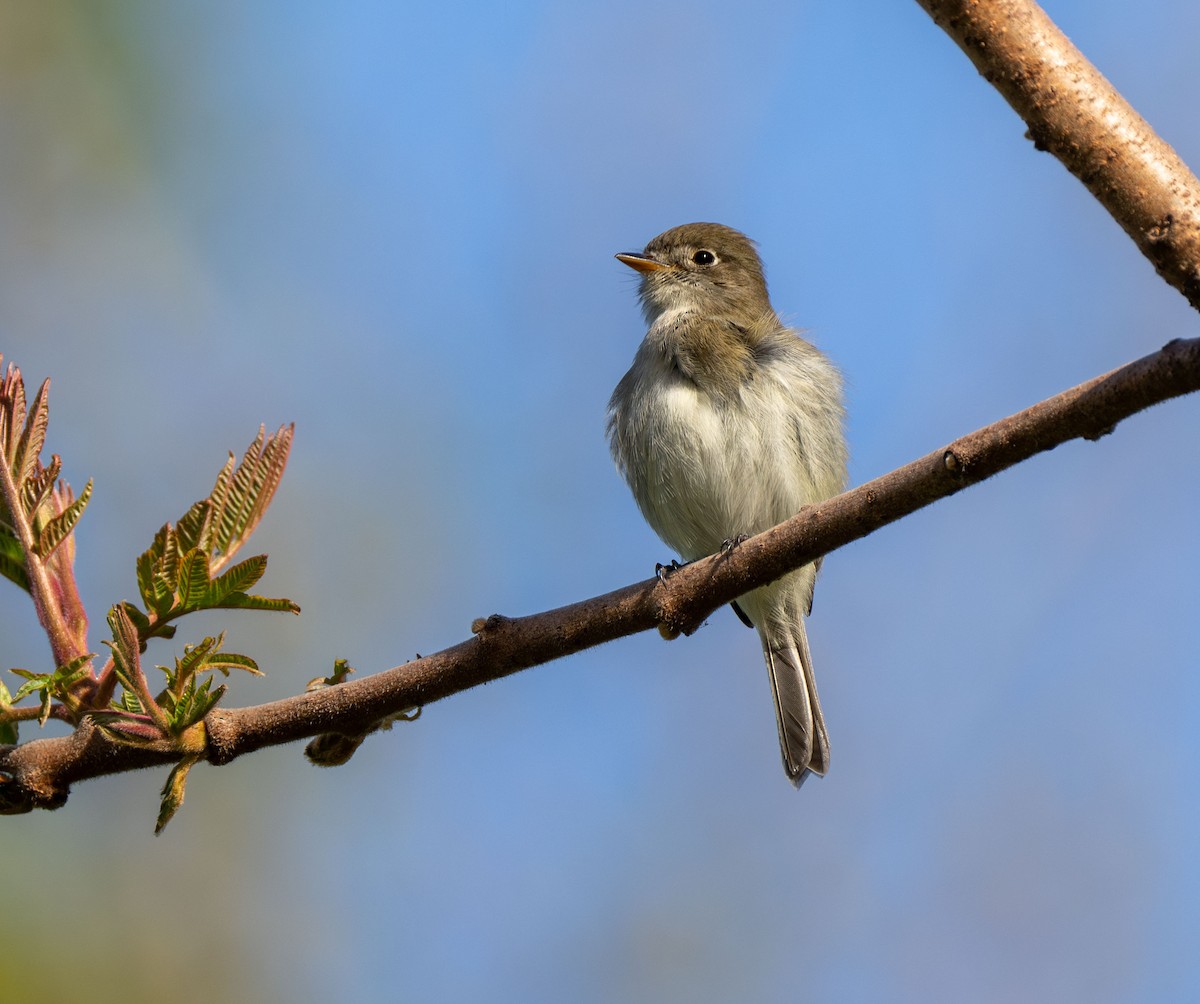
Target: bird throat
[713,353]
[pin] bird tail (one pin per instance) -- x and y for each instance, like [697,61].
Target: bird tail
[803,741]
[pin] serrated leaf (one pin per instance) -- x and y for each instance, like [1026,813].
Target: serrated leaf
[38,486]
[57,530]
[158,545]
[145,578]
[244,601]
[237,579]
[126,650]
[50,685]
[129,702]
[12,559]
[33,681]
[194,657]
[28,448]
[196,702]
[194,528]
[158,571]
[12,411]
[9,729]
[225,661]
[74,671]
[141,623]
[173,791]
[167,567]
[124,644]
[193,579]
[219,496]
[9,732]
[240,498]
[66,676]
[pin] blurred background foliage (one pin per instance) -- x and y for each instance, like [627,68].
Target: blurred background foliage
[393,224]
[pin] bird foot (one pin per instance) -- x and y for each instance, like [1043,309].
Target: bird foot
[729,543]
[661,571]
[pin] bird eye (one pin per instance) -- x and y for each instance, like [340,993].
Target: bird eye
[704,258]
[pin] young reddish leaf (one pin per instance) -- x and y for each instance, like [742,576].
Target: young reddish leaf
[128,729]
[126,650]
[25,452]
[141,623]
[12,412]
[241,497]
[39,486]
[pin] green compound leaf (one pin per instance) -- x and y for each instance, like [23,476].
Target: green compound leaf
[33,681]
[52,685]
[241,494]
[194,529]
[8,728]
[196,701]
[244,601]
[237,579]
[12,559]
[192,585]
[60,527]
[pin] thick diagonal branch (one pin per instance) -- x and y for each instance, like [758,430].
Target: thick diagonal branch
[1076,114]
[38,774]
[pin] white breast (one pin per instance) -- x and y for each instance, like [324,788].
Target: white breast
[704,470]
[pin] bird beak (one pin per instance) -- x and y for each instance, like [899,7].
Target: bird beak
[641,262]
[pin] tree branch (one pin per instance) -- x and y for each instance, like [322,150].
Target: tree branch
[1071,111]
[1076,114]
[38,774]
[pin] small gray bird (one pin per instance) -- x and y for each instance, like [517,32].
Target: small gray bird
[727,423]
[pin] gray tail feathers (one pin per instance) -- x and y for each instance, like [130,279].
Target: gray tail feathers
[803,741]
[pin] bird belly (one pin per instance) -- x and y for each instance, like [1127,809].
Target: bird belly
[711,472]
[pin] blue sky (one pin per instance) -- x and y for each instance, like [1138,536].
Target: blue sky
[394,225]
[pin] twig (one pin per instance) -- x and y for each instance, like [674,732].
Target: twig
[1076,114]
[39,774]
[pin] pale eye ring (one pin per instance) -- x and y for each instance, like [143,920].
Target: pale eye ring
[704,257]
